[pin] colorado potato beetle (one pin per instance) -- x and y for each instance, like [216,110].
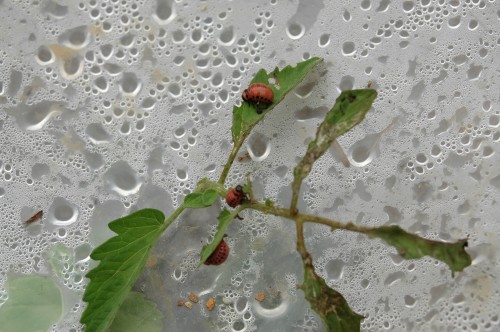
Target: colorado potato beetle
[258,94]
[235,196]
[219,255]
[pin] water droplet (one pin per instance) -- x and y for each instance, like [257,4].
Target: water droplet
[410,301]
[175,90]
[474,72]
[148,103]
[454,22]
[97,134]
[272,307]
[306,113]
[82,252]
[130,85]
[36,116]
[348,48]
[45,56]
[127,40]
[39,170]
[227,36]
[346,16]
[393,278]
[164,12]
[295,30]
[324,40]
[55,9]
[76,38]
[71,68]
[258,147]
[473,24]
[335,269]
[62,212]
[112,69]
[365,150]
[408,6]
[101,84]
[122,179]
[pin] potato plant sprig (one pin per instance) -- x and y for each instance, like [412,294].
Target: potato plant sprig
[123,257]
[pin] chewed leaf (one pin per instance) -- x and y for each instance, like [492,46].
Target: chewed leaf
[411,246]
[198,200]
[225,218]
[329,304]
[349,110]
[245,116]
[122,259]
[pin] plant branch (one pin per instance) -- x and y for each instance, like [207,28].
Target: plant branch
[172,217]
[230,159]
[301,246]
[250,187]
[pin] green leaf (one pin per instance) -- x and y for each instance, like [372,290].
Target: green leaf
[198,200]
[122,260]
[225,218]
[34,304]
[245,116]
[329,304]
[136,314]
[411,246]
[349,110]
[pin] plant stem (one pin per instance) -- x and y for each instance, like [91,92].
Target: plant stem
[301,218]
[301,246]
[297,182]
[249,187]
[230,159]
[172,217]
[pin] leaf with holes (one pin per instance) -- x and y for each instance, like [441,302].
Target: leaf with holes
[329,304]
[349,110]
[412,246]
